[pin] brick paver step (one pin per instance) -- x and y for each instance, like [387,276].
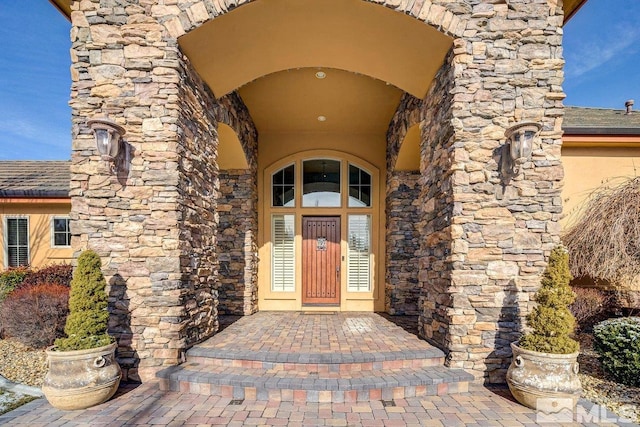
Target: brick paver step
[335,362]
[298,357]
[259,383]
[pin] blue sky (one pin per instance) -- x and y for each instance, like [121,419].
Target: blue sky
[601,48]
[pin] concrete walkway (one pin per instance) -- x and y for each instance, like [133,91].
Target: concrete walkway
[146,405]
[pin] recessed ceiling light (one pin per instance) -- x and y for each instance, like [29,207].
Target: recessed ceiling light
[321,75]
[322,119]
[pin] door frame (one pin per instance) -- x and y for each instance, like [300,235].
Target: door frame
[269,299]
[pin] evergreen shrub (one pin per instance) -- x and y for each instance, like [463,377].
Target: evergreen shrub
[551,320]
[35,315]
[88,318]
[10,279]
[617,341]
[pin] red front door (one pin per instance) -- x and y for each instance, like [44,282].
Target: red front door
[321,260]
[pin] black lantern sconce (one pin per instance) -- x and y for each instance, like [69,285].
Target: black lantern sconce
[521,137]
[108,139]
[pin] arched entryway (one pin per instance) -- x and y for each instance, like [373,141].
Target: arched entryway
[290,76]
[317,75]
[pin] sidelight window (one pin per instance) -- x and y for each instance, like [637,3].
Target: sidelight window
[283,253]
[359,255]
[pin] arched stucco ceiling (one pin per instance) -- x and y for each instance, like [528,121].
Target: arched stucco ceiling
[409,155]
[267,36]
[230,152]
[292,101]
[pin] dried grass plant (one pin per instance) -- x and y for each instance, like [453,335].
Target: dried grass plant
[605,242]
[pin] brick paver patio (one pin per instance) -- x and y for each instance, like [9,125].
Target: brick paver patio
[330,345]
[146,405]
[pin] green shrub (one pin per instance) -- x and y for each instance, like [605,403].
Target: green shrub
[617,341]
[10,279]
[551,320]
[88,318]
[35,315]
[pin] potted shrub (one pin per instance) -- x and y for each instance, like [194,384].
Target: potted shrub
[82,367]
[543,373]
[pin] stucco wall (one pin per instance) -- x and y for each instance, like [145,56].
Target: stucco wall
[40,215]
[587,168]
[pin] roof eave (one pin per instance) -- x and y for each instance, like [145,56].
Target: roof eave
[570,8]
[612,131]
[63,6]
[54,194]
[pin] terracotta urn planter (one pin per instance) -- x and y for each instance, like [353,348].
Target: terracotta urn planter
[544,381]
[80,379]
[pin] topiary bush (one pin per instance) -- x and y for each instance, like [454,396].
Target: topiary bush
[35,315]
[10,279]
[551,320]
[86,325]
[61,274]
[617,341]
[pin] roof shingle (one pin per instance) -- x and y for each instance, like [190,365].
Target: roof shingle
[20,178]
[600,121]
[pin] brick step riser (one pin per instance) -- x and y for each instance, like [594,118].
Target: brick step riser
[319,367]
[313,396]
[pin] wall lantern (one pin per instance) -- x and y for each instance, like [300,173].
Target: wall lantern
[108,136]
[520,137]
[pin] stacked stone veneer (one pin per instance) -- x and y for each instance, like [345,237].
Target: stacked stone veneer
[154,222]
[402,291]
[402,243]
[484,234]
[238,212]
[238,288]
[485,231]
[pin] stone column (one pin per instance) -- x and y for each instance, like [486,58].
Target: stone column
[154,222]
[487,233]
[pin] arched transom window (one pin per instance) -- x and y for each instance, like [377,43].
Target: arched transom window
[321,185]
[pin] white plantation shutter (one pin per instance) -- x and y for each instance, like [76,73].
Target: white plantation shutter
[17,242]
[283,254]
[359,255]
